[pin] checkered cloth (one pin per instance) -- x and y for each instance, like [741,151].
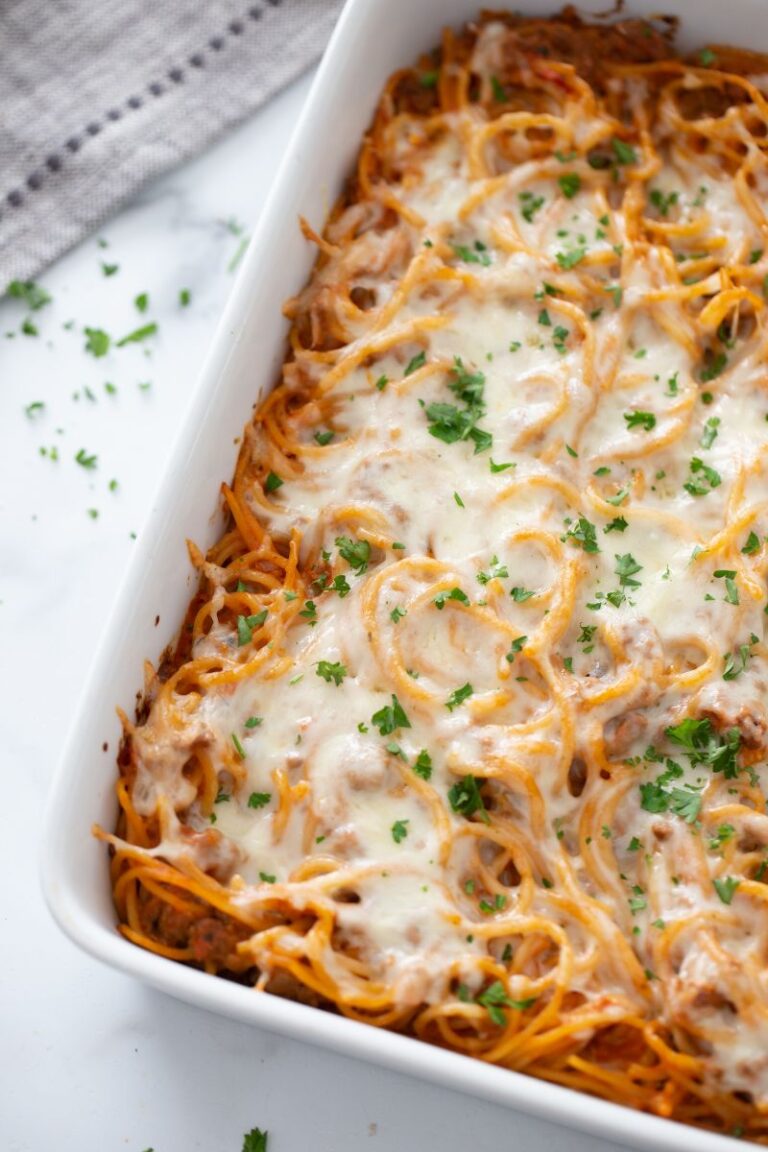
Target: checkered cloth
[96,99]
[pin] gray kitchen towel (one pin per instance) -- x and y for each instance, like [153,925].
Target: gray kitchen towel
[99,96]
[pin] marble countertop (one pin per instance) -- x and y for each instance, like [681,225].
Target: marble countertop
[93,1062]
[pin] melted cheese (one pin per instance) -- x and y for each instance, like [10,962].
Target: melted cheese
[584,608]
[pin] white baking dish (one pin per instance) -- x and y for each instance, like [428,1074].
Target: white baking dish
[372,39]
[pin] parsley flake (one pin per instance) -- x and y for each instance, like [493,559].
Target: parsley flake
[458,696]
[399,830]
[331,672]
[637,419]
[259,799]
[390,718]
[725,887]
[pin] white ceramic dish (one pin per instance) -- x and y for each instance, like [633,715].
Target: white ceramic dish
[373,38]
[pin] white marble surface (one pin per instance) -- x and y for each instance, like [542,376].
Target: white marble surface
[92,1062]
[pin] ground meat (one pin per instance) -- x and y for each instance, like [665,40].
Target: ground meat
[566,39]
[622,731]
[711,998]
[214,853]
[214,941]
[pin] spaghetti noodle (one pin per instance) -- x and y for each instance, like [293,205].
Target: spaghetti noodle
[465,733]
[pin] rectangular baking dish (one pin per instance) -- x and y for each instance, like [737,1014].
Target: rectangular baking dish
[373,38]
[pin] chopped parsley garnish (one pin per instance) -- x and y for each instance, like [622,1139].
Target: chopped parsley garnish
[530,205]
[255,1141]
[246,626]
[458,696]
[619,524]
[715,367]
[478,254]
[267,877]
[323,438]
[704,746]
[390,718]
[273,482]
[464,796]
[137,335]
[331,672]
[141,302]
[568,260]
[416,362]
[185,297]
[724,833]
[655,796]
[400,830]
[725,887]
[97,341]
[663,201]
[496,571]
[238,746]
[501,467]
[626,569]
[559,337]
[34,408]
[516,646]
[109,269]
[429,79]
[586,637]
[494,999]
[732,669]
[254,721]
[31,293]
[618,498]
[709,435]
[458,500]
[755,255]
[638,419]
[752,545]
[451,424]
[453,594]
[624,153]
[259,799]
[397,614]
[357,553]
[617,293]
[731,588]
[570,183]
[707,57]
[584,534]
[707,479]
[382,382]
[341,585]
[309,611]
[422,765]
[86,461]
[498,905]
[637,902]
